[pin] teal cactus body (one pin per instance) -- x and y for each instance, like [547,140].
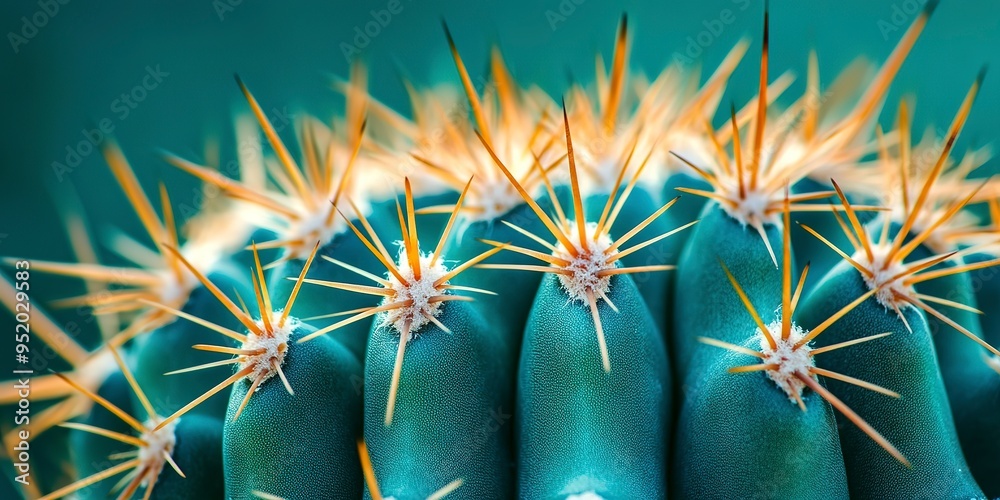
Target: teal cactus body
[782,452]
[919,423]
[688,207]
[452,411]
[549,335]
[971,383]
[653,286]
[703,304]
[198,454]
[507,312]
[280,441]
[571,414]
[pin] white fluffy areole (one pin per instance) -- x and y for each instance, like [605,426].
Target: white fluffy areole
[790,360]
[174,290]
[890,290]
[420,291]
[586,265]
[274,347]
[151,456]
[492,199]
[751,207]
[313,226]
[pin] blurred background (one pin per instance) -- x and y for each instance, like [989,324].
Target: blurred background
[160,74]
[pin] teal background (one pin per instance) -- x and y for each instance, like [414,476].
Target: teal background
[68,75]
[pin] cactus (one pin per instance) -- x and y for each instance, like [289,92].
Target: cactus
[553,321]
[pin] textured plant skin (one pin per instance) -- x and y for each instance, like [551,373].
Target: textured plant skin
[973,386]
[507,311]
[282,442]
[157,353]
[653,286]
[716,312]
[449,420]
[739,436]
[919,423]
[346,248]
[581,429]
[517,394]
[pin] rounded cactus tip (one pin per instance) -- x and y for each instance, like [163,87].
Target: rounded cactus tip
[263,347]
[584,256]
[785,354]
[154,446]
[415,287]
[748,185]
[929,217]
[372,482]
[881,259]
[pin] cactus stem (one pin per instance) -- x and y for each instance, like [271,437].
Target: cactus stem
[882,264]
[584,256]
[854,417]
[786,356]
[372,482]
[265,345]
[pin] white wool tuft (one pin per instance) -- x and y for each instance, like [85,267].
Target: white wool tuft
[751,208]
[586,266]
[419,291]
[889,290]
[275,347]
[157,443]
[790,360]
[494,198]
[313,226]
